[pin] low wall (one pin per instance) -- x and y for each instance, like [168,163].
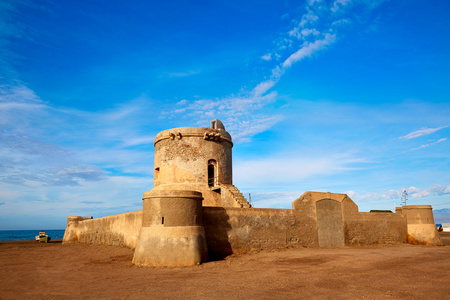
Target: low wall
[375,228]
[119,230]
[234,230]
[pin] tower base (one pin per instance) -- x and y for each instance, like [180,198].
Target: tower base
[171,246]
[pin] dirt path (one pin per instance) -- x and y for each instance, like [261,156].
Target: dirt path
[31,270]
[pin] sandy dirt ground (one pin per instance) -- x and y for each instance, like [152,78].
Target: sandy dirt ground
[30,270]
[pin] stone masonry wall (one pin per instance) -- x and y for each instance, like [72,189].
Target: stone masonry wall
[235,230]
[375,228]
[118,230]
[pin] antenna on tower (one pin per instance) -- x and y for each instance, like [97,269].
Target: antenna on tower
[404,197]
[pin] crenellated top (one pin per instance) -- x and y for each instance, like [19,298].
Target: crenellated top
[215,134]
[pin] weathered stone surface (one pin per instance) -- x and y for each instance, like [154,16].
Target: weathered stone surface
[358,228]
[421,227]
[172,232]
[171,246]
[194,207]
[197,159]
[120,230]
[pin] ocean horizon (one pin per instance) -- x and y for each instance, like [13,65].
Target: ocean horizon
[29,235]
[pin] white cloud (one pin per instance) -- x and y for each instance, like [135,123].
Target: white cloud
[291,168]
[183,74]
[242,132]
[311,2]
[301,34]
[267,56]
[308,49]
[413,193]
[427,145]
[7,194]
[308,18]
[420,147]
[307,31]
[238,113]
[274,199]
[30,151]
[263,87]
[116,194]
[421,132]
[339,4]
[340,22]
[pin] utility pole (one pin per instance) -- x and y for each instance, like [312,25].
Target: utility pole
[404,197]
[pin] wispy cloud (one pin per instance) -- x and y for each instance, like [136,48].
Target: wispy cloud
[290,168]
[274,199]
[339,4]
[239,113]
[307,37]
[413,192]
[32,152]
[308,49]
[421,132]
[427,145]
[183,74]
[267,56]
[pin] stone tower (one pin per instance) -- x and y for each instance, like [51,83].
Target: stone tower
[421,227]
[192,165]
[197,159]
[172,232]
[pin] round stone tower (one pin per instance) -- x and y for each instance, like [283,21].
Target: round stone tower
[421,226]
[172,232]
[197,159]
[192,164]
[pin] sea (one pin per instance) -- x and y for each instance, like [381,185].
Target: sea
[24,235]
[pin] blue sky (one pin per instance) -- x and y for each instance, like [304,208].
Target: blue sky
[346,96]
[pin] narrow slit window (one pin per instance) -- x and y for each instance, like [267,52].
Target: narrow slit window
[162,220]
[156,173]
[212,173]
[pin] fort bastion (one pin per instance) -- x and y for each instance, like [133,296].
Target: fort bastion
[194,212]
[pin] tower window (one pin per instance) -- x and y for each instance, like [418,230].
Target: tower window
[212,173]
[156,174]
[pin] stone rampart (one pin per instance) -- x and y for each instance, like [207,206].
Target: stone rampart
[316,220]
[235,230]
[119,230]
[375,228]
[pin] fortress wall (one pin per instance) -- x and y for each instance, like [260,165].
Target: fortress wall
[374,228]
[120,230]
[235,230]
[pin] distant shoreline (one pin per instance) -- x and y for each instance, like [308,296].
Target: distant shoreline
[28,241]
[29,235]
